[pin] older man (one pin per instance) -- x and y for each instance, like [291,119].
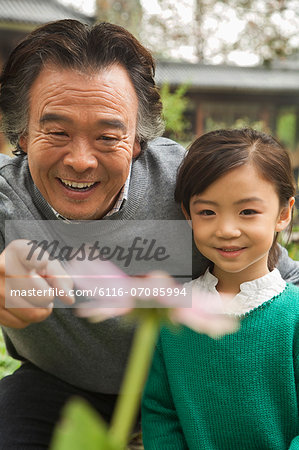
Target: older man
[81,106]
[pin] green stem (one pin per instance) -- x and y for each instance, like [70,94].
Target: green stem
[139,360]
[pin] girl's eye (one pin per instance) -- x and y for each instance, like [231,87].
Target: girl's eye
[248,212]
[206,212]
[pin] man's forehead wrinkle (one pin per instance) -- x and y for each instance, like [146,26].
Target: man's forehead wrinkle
[77,96]
[105,104]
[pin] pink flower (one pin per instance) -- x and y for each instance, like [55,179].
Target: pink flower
[114,293]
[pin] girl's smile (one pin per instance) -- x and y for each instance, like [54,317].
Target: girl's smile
[230,252]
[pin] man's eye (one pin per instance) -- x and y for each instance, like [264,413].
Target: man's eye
[107,138]
[248,212]
[58,133]
[206,212]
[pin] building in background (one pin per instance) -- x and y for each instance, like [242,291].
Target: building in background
[19,17]
[233,96]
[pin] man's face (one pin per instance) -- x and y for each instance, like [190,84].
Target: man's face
[81,138]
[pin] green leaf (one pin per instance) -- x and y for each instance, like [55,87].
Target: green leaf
[81,428]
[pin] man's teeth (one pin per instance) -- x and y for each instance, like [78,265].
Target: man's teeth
[75,185]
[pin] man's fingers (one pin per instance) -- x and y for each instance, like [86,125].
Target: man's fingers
[21,318]
[36,275]
[58,279]
[27,292]
[31,315]
[9,320]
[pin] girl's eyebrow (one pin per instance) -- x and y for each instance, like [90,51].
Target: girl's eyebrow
[206,202]
[249,199]
[238,202]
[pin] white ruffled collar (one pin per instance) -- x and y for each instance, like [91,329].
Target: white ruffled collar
[252,293]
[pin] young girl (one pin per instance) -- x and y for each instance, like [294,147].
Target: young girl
[240,392]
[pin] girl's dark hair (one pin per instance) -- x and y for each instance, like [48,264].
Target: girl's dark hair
[216,153]
[73,45]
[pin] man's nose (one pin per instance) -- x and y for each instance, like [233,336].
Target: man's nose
[80,157]
[228,229]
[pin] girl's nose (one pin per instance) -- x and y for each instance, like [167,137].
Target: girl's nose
[228,230]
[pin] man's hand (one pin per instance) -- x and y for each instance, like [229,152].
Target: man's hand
[18,273]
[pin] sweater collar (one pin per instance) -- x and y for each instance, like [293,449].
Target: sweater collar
[252,293]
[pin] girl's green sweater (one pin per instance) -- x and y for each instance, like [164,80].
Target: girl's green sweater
[239,392]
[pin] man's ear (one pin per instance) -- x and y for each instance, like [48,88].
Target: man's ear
[23,142]
[285,215]
[136,148]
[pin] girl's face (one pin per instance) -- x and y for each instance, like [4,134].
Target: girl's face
[234,222]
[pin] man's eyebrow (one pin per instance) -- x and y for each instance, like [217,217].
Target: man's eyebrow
[113,123]
[54,117]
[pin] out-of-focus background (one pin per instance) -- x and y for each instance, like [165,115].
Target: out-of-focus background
[219,63]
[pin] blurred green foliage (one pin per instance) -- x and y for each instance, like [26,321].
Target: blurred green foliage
[83,429]
[286,128]
[7,364]
[241,122]
[174,108]
[293,250]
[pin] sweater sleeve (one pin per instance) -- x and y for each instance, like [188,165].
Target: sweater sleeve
[288,268]
[161,428]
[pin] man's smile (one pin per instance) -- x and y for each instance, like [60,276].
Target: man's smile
[74,185]
[75,190]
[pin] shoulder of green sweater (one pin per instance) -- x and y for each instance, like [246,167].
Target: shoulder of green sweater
[288,298]
[286,304]
[292,291]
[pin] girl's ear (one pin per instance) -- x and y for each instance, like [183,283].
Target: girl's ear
[285,215]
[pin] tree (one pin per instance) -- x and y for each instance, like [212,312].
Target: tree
[127,13]
[218,30]
[165,32]
[270,27]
